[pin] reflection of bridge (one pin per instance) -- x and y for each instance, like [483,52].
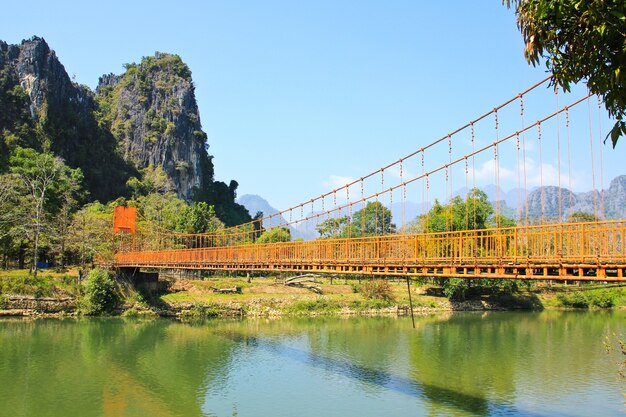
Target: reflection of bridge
[452,241]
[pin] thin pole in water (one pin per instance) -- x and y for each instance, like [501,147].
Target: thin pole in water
[408,287]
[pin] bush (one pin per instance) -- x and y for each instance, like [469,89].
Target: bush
[320,305]
[601,299]
[579,299]
[27,285]
[377,290]
[459,289]
[455,288]
[101,294]
[576,299]
[201,312]
[371,304]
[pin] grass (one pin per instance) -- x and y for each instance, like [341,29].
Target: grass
[47,283]
[348,293]
[321,305]
[592,295]
[201,312]
[264,294]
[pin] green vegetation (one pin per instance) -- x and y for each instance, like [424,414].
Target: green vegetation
[579,40]
[473,212]
[46,284]
[67,153]
[201,311]
[275,235]
[100,293]
[373,219]
[378,289]
[41,179]
[588,299]
[321,305]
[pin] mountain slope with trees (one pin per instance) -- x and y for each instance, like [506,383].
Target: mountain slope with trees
[147,116]
[68,155]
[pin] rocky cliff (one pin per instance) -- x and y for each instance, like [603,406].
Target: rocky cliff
[152,112]
[60,116]
[146,116]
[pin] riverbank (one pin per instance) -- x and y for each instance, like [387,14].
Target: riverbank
[54,294]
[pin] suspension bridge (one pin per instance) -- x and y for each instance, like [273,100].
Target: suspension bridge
[517,142]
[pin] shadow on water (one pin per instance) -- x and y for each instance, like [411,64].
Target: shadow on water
[452,398]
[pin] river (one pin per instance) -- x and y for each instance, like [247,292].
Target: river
[462,364]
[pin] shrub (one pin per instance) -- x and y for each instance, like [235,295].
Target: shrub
[27,285]
[320,305]
[378,289]
[371,304]
[601,299]
[101,294]
[576,299]
[201,311]
[455,288]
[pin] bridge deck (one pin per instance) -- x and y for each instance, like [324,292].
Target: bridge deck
[576,251]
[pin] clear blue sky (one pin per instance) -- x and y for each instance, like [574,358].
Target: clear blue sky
[295,96]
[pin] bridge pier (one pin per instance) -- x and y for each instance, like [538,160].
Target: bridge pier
[147,281]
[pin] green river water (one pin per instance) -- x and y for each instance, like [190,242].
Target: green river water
[462,364]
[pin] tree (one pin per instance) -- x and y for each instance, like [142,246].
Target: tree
[44,177]
[582,217]
[580,40]
[331,228]
[275,235]
[199,218]
[164,210]
[153,180]
[475,212]
[14,208]
[90,232]
[472,213]
[372,220]
[257,226]
[10,209]
[68,196]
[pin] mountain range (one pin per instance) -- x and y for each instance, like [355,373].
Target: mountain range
[613,199]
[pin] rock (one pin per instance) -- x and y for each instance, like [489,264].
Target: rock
[147,116]
[64,114]
[154,116]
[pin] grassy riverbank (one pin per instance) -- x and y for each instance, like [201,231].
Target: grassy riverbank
[269,296]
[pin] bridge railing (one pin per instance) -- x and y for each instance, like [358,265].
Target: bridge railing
[568,243]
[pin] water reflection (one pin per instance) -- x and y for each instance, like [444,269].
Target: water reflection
[461,364]
[107,367]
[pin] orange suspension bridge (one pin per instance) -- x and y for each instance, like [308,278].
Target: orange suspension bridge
[511,143]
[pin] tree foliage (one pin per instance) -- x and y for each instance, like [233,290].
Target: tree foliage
[580,40]
[44,179]
[372,220]
[199,218]
[152,180]
[101,294]
[332,227]
[90,233]
[275,235]
[473,212]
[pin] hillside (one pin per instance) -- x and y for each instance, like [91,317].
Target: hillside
[614,201]
[147,116]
